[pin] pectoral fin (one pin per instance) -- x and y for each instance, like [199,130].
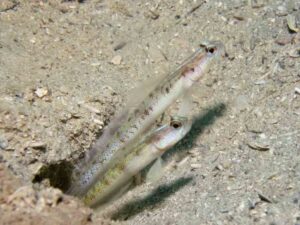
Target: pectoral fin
[186,105]
[156,171]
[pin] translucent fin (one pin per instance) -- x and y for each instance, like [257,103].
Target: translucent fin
[186,105]
[97,149]
[141,91]
[138,179]
[122,190]
[113,196]
[115,191]
[156,171]
[108,133]
[134,98]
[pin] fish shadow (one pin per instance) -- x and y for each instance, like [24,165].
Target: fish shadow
[162,192]
[152,200]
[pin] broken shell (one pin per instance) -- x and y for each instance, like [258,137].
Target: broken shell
[264,198]
[295,53]
[284,40]
[258,146]
[90,108]
[38,145]
[182,162]
[195,165]
[291,22]
[194,152]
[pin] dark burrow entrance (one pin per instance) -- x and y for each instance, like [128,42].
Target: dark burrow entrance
[59,175]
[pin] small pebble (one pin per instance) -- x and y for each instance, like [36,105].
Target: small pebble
[284,39]
[195,165]
[281,11]
[116,60]
[99,122]
[3,143]
[41,92]
[260,82]
[194,152]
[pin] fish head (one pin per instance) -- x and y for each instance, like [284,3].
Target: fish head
[172,133]
[213,48]
[208,52]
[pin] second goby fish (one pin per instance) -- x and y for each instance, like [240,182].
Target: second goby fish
[141,156]
[140,119]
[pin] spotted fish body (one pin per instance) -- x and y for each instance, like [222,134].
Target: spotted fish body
[140,119]
[141,155]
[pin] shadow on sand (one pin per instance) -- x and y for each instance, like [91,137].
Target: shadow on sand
[158,195]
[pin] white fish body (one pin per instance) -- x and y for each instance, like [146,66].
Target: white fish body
[133,123]
[141,155]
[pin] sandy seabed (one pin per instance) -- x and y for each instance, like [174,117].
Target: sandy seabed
[66,67]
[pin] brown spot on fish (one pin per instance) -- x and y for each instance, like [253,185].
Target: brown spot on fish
[106,181]
[167,90]
[146,112]
[191,66]
[134,126]
[122,139]
[121,166]
[130,131]
[118,134]
[158,89]
[171,83]
[187,70]
[137,153]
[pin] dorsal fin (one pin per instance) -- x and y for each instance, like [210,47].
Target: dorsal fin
[135,97]
[139,93]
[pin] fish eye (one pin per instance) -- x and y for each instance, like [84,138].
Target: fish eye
[176,124]
[211,50]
